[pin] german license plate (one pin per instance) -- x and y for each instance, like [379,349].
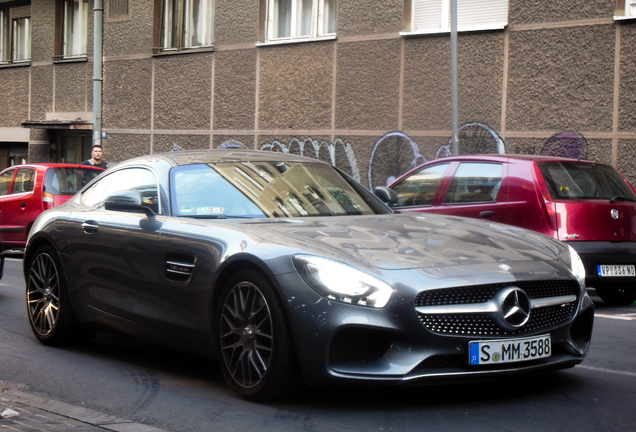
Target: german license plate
[509,350]
[615,270]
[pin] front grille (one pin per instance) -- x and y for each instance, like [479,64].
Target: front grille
[483,293]
[471,324]
[358,345]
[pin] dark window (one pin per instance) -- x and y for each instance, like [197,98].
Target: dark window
[24,181]
[134,179]
[475,182]
[576,180]
[5,182]
[68,181]
[266,189]
[419,188]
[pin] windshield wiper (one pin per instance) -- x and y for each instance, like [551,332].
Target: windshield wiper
[621,198]
[217,216]
[210,216]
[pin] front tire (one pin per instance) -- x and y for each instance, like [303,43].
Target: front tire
[255,343]
[49,309]
[617,295]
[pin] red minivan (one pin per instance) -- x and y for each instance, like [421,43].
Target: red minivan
[589,205]
[28,190]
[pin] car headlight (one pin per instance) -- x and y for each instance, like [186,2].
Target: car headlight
[576,266]
[343,283]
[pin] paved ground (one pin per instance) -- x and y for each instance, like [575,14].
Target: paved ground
[25,412]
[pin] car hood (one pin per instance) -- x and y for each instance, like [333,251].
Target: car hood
[406,241]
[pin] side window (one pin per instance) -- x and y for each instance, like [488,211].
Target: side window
[5,182]
[475,182]
[136,179]
[24,181]
[419,188]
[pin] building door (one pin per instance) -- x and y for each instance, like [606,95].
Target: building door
[75,147]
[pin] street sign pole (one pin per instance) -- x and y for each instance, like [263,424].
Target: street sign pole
[454,93]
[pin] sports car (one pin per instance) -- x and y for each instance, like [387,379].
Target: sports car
[288,271]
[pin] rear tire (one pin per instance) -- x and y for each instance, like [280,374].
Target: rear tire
[617,295]
[48,306]
[254,339]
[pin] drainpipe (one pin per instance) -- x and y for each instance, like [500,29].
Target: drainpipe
[98,24]
[454,95]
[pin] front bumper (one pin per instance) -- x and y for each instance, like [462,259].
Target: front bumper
[338,343]
[594,253]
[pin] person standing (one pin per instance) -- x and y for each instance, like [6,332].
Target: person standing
[96,160]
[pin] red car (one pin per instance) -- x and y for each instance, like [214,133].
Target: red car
[28,190]
[589,205]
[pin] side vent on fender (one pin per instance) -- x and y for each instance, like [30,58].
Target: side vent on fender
[179,267]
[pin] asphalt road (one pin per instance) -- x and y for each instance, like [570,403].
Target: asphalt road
[180,392]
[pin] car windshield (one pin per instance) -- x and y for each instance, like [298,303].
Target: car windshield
[68,180]
[577,180]
[267,190]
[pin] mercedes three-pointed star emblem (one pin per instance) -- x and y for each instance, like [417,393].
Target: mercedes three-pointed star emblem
[514,309]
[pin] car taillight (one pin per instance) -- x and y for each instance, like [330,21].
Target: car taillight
[545,199]
[47,200]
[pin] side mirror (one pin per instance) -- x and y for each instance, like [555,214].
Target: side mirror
[128,200]
[385,194]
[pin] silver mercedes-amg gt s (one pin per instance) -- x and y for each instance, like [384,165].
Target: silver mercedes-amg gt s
[284,268]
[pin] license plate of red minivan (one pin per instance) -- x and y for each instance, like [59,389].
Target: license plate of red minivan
[615,270]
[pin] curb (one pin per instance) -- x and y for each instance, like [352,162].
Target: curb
[84,415]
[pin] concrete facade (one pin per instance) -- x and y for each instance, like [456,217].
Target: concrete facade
[372,101]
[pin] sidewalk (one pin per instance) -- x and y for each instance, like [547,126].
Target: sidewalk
[26,412]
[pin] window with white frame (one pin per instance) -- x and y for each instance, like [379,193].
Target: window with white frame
[185,24]
[74,28]
[625,9]
[434,16]
[15,34]
[297,20]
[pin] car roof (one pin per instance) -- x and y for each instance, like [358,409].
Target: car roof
[506,157]
[46,165]
[189,157]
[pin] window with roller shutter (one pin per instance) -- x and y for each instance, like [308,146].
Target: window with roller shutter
[434,16]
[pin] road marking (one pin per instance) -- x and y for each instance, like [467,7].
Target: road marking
[616,317]
[631,374]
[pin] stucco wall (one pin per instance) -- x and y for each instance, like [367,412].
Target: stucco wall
[14,96]
[127,89]
[296,86]
[235,89]
[368,84]
[182,91]
[561,78]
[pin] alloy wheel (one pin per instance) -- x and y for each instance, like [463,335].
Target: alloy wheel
[43,294]
[246,334]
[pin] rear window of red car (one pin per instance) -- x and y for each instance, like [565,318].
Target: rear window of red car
[578,180]
[68,180]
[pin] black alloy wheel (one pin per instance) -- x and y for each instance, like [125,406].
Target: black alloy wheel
[255,343]
[48,306]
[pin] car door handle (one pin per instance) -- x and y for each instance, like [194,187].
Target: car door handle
[23,204]
[90,227]
[486,214]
